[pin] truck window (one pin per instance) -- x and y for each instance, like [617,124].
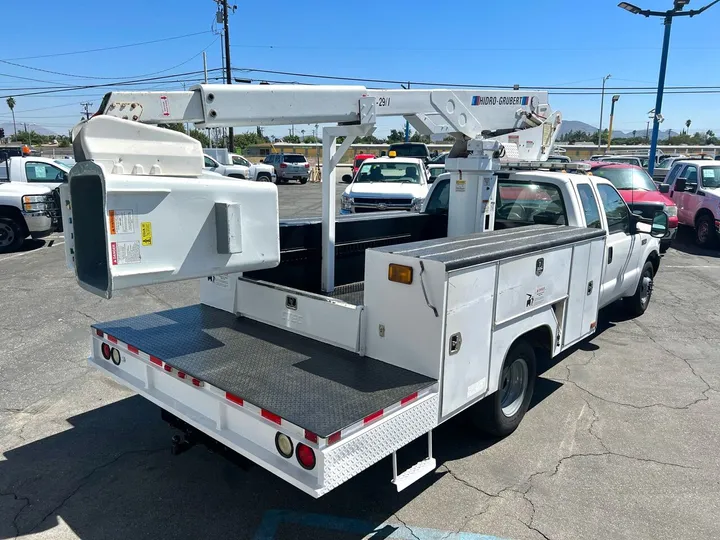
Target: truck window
[239,160]
[440,199]
[711,177]
[673,174]
[389,172]
[616,211]
[590,207]
[294,158]
[528,203]
[42,172]
[209,163]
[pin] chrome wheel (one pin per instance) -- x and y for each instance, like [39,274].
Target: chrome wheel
[513,387]
[7,235]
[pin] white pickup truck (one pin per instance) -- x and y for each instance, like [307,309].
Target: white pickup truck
[220,161]
[26,210]
[578,200]
[386,183]
[42,171]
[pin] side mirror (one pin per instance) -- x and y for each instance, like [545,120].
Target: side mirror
[664,188]
[347,178]
[680,184]
[659,225]
[432,179]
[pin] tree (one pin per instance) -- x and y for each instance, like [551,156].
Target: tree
[710,137]
[634,133]
[312,139]
[243,140]
[395,136]
[291,139]
[370,139]
[11,105]
[687,125]
[417,137]
[200,136]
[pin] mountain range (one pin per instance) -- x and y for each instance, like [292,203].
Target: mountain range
[37,128]
[575,125]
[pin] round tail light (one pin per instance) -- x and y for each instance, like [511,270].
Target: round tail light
[284,445]
[305,456]
[105,350]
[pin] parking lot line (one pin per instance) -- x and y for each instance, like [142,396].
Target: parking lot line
[33,251]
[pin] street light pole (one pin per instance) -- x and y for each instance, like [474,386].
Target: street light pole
[612,115]
[676,11]
[602,103]
[659,98]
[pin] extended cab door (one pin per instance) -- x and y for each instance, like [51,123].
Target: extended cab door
[687,200]
[621,252]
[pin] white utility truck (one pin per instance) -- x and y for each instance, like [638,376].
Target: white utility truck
[304,355]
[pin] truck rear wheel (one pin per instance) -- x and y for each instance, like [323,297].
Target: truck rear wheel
[501,413]
[11,236]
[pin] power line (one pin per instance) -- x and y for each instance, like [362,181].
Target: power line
[138,44]
[90,77]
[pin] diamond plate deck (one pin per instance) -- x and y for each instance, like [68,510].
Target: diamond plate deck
[313,385]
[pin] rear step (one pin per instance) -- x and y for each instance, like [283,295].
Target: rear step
[417,471]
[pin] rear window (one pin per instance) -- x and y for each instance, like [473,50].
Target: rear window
[627,178]
[294,158]
[522,203]
[410,150]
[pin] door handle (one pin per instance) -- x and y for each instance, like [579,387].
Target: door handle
[610,254]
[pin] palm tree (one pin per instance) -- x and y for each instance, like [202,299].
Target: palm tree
[687,125]
[11,105]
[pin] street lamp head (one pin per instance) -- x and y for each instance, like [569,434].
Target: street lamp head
[615,98]
[631,8]
[678,5]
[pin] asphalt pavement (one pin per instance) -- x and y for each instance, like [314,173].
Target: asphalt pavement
[621,440]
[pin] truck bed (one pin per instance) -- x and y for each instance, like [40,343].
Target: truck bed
[316,386]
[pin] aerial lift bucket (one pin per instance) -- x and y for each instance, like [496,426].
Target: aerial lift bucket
[129,230]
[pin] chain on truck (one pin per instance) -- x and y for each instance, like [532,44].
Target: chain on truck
[321,346]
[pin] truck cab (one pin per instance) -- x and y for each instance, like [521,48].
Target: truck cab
[578,200]
[26,210]
[387,183]
[37,170]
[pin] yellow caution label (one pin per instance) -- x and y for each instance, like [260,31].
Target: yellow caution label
[146,233]
[112,222]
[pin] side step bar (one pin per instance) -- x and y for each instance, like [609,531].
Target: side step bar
[417,471]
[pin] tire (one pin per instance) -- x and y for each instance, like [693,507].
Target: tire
[705,235]
[303,180]
[638,303]
[264,177]
[11,235]
[664,246]
[501,413]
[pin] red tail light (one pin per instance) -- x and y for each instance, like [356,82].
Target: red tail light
[307,165]
[305,456]
[283,165]
[105,349]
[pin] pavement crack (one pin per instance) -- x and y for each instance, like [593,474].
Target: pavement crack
[93,319]
[471,486]
[26,503]
[85,479]
[406,526]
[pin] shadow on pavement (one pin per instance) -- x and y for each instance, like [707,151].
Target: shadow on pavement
[110,474]
[685,243]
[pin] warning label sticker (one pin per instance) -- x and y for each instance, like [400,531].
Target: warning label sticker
[121,221]
[460,185]
[125,252]
[146,233]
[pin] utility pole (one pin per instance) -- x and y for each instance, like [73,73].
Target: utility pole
[86,106]
[228,73]
[407,124]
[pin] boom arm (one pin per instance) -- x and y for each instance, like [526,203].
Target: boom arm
[461,112]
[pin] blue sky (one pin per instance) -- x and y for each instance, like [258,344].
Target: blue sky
[534,43]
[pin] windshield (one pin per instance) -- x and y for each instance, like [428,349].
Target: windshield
[293,158]
[410,150]
[666,163]
[401,173]
[239,160]
[711,177]
[440,158]
[627,178]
